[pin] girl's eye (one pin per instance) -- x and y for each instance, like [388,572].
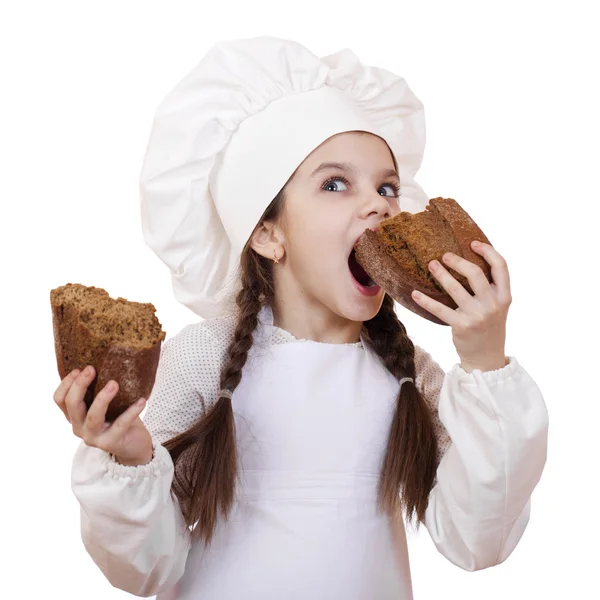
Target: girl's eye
[332,185]
[395,187]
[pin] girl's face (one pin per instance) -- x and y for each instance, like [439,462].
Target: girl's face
[346,185]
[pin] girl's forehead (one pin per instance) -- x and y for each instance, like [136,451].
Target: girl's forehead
[351,151]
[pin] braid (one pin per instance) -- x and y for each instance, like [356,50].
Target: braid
[249,303]
[409,464]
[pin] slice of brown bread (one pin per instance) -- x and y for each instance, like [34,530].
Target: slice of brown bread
[120,339]
[396,256]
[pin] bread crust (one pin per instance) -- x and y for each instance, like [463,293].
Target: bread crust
[372,255]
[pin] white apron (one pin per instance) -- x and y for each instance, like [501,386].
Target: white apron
[312,423]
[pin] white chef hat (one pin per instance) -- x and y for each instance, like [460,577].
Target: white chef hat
[227,138]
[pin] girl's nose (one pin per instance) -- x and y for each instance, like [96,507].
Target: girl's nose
[376,205]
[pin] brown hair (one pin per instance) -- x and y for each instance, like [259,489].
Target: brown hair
[205,455]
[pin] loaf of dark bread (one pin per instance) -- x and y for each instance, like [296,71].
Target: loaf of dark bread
[397,254]
[120,339]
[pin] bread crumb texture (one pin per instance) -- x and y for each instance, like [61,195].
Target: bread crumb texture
[106,321]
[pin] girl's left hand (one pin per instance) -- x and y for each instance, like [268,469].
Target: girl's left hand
[479,322]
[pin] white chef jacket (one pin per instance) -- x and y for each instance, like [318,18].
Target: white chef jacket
[311,424]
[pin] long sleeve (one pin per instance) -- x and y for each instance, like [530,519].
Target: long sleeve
[131,525]
[496,426]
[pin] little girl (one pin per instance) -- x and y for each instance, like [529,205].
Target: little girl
[288,434]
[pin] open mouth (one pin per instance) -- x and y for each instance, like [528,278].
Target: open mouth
[358,272]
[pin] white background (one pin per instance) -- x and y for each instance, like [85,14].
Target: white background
[511,100]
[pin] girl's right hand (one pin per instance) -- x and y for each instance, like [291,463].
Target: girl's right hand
[126,438]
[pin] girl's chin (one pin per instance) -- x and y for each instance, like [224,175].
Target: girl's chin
[363,308]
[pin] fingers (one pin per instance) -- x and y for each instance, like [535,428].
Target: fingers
[111,439]
[477,280]
[96,415]
[455,289]
[90,425]
[75,405]
[61,391]
[441,311]
[500,274]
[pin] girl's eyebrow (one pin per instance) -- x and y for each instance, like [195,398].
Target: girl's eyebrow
[349,168]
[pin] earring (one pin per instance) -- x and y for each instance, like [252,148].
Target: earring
[275,259]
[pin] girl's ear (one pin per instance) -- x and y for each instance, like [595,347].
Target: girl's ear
[268,240]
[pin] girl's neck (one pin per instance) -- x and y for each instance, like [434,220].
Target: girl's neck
[308,321]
